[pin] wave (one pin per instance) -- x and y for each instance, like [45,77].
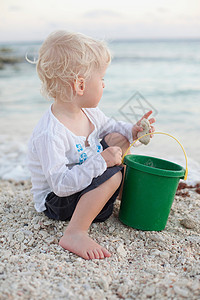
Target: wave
[154,59]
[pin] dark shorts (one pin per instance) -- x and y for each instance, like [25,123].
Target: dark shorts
[62,208]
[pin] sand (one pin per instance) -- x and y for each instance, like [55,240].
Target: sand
[143,265]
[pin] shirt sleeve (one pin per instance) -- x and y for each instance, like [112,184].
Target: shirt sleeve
[107,125]
[63,181]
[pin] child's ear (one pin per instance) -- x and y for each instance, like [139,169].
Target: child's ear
[79,86]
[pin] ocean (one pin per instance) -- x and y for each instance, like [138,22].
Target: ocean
[161,75]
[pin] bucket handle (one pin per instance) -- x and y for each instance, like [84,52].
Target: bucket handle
[152,133]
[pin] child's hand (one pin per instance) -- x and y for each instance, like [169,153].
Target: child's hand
[112,156]
[137,128]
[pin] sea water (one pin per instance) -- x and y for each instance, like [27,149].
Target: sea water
[158,75]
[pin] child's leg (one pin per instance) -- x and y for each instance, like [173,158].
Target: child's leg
[75,238]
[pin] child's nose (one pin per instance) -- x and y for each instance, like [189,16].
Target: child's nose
[103,84]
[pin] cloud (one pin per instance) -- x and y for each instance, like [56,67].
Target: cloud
[101,13]
[163,10]
[188,18]
[15,8]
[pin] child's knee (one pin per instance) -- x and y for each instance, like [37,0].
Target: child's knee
[117,139]
[116,180]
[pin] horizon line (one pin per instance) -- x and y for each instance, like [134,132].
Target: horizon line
[172,39]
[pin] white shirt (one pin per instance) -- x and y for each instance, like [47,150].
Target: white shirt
[58,159]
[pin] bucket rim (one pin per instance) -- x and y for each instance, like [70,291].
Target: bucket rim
[156,171]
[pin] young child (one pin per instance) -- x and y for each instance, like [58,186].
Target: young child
[75,151]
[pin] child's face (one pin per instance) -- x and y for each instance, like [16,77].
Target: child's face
[94,89]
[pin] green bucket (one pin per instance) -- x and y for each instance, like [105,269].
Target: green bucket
[149,188]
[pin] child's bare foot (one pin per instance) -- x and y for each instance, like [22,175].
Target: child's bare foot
[81,244]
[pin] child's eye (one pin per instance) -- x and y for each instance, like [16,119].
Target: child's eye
[102,79]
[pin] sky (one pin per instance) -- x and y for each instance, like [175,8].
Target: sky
[27,20]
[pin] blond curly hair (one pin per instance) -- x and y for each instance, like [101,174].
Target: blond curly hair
[63,57]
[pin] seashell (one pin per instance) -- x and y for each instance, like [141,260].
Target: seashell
[146,127]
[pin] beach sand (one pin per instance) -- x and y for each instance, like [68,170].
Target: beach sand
[143,265]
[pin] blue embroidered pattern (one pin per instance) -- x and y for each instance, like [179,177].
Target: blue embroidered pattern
[79,147]
[82,158]
[98,148]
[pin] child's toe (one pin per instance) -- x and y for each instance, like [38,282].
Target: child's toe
[106,252]
[86,255]
[101,254]
[96,253]
[91,254]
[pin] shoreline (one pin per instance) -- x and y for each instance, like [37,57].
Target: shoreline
[144,264]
